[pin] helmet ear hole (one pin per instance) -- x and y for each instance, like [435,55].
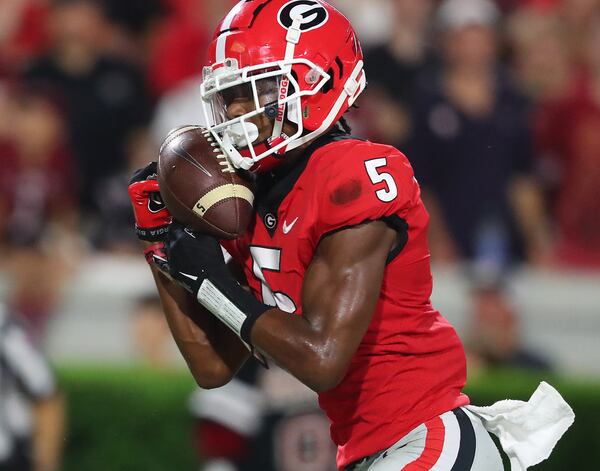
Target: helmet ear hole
[340,65]
[294,76]
[329,84]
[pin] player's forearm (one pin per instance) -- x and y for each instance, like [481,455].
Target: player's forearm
[212,352]
[304,350]
[292,342]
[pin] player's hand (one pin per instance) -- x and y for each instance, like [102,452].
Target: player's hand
[193,257]
[152,218]
[196,262]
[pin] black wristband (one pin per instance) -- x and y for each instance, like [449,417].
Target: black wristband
[254,312]
[154,234]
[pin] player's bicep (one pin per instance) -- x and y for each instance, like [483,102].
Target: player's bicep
[343,283]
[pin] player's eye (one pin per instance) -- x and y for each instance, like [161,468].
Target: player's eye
[238,93]
[267,88]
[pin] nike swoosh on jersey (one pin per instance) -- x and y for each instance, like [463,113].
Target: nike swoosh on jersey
[286,228]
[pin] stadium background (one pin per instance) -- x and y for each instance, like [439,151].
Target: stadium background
[509,95]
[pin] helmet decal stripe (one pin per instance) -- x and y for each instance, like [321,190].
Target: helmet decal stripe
[256,12]
[221,47]
[225,26]
[231,15]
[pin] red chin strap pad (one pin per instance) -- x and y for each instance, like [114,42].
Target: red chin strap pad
[268,163]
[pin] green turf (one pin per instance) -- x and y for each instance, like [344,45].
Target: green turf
[134,419]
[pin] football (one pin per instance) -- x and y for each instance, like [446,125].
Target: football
[200,187]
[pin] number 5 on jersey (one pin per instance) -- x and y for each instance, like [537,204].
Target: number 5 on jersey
[269,259]
[384,194]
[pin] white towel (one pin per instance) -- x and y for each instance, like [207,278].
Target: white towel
[528,431]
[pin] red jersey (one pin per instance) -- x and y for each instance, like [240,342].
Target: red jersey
[410,365]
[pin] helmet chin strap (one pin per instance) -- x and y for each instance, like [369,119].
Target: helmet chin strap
[238,139]
[243,134]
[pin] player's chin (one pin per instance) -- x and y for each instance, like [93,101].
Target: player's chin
[259,143]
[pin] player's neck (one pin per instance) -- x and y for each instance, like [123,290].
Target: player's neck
[292,157]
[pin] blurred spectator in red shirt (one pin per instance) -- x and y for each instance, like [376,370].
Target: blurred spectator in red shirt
[37,203]
[23,32]
[4,106]
[178,49]
[568,132]
[580,18]
[36,179]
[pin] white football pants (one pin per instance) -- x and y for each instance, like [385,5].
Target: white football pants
[453,441]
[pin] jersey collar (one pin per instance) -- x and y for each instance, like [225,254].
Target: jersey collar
[273,187]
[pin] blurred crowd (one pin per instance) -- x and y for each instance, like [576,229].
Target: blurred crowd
[496,104]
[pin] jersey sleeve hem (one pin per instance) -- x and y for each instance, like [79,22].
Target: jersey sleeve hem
[394,222]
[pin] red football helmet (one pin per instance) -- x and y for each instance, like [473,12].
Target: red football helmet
[298,60]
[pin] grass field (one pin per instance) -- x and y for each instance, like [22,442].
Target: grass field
[133,419]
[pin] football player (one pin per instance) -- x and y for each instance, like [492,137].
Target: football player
[336,259]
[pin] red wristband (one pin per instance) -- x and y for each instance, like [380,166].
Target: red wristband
[157,248]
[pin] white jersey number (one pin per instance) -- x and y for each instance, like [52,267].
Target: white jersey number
[266,258]
[385,194]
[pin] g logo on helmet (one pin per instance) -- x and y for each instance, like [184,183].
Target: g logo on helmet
[314,15]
